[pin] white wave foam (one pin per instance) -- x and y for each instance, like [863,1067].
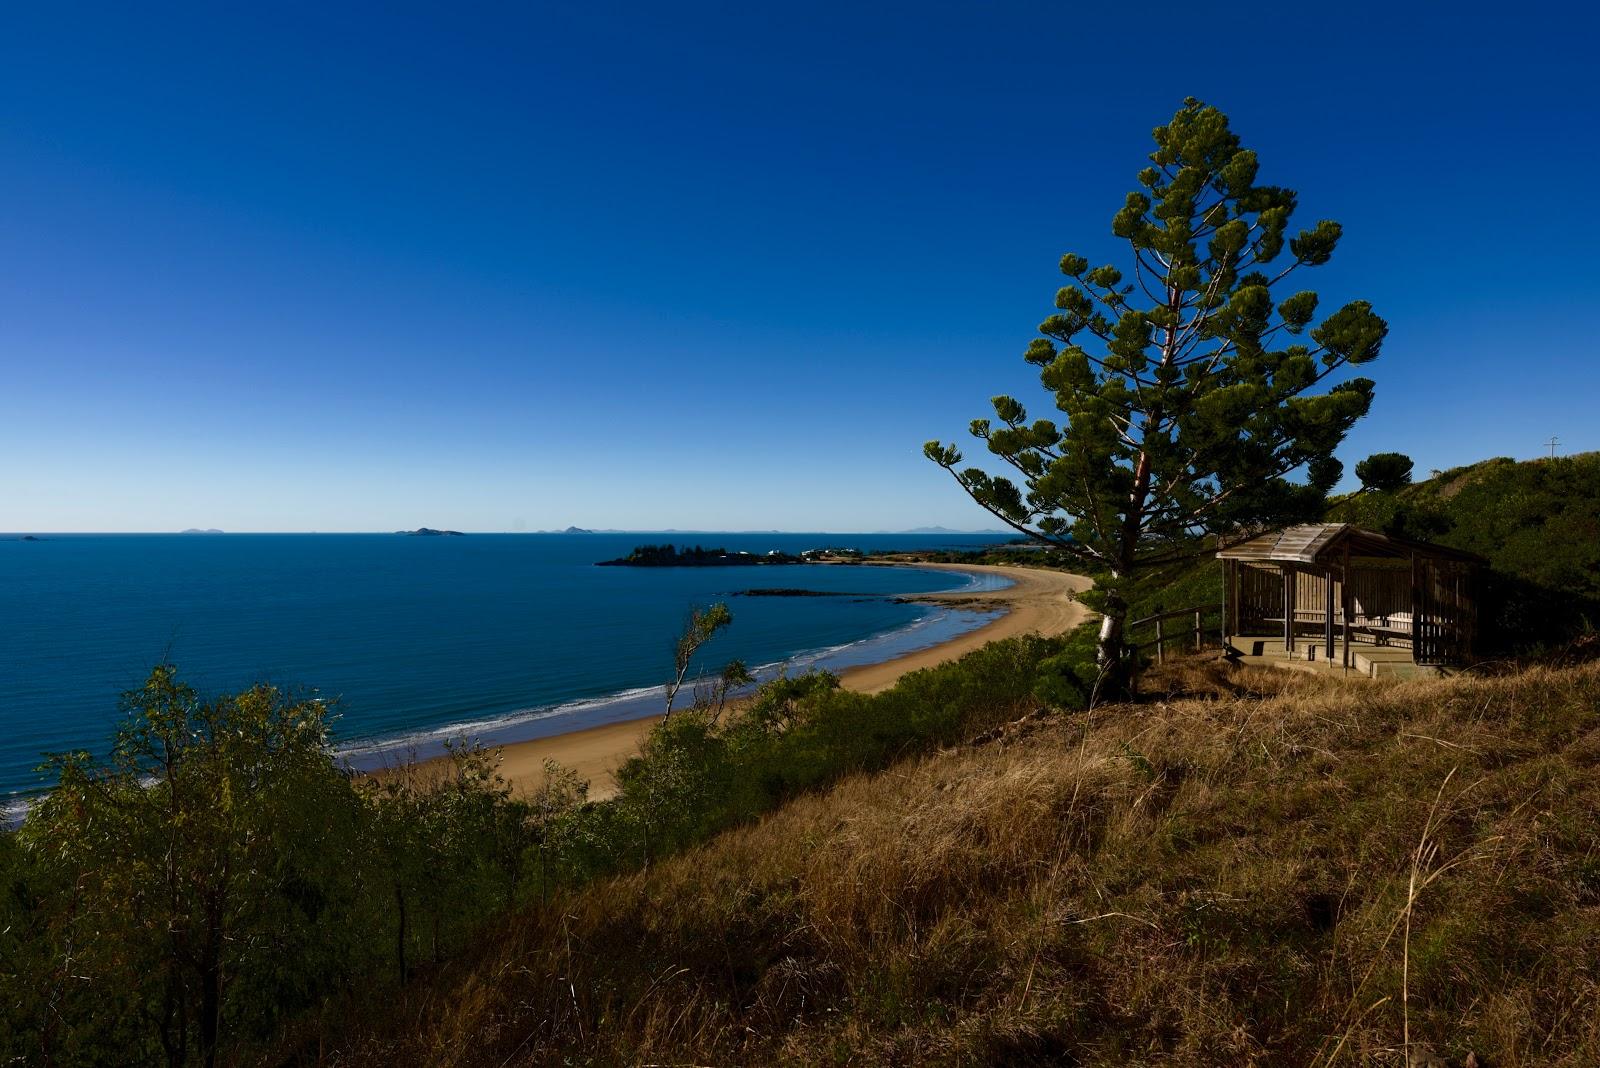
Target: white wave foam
[15,809]
[368,751]
[488,724]
[510,726]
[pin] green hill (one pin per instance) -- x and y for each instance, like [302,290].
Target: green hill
[1537,522]
[1539,519]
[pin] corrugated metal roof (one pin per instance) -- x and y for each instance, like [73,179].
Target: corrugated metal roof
[1302,544]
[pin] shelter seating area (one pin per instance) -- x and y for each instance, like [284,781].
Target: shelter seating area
[1334,597]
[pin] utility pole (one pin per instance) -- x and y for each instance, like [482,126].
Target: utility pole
[1553,442]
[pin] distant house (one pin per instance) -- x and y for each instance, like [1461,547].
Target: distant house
[1347,599]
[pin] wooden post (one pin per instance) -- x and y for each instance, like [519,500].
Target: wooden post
[1159,649]
[1416,608]
[1327,619]
[1197,630]
[1227,599]
[1346,602]
[1458,584]
[1236,595]
[1288,610]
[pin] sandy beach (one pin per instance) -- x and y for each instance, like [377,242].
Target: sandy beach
[1039,601]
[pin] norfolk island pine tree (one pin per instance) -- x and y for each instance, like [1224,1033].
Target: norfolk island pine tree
[1190,393]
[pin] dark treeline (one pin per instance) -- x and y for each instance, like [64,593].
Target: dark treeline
[697,556]
[221,890]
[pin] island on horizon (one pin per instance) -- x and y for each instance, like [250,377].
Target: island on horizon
[698,556]
[429,532]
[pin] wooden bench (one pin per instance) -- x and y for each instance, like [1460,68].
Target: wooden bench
[1383,630]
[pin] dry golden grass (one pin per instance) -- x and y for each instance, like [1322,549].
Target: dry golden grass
[1247,868]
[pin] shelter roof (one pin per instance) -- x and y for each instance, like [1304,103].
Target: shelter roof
[1312,543]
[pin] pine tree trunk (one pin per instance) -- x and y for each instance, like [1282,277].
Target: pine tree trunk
[1111,651]
[1113,621]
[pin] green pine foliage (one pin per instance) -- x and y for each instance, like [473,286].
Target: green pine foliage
[1384,471]
[1194,383]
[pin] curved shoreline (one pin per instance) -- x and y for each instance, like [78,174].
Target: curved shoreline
[1038,601]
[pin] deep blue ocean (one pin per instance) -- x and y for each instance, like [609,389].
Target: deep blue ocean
[492,636]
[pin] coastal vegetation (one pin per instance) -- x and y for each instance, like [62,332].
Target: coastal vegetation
[221,891]
[679,267]
[1189,380]
[702,625]
[1384,471]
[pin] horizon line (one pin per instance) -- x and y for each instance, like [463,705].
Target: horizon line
[213,532]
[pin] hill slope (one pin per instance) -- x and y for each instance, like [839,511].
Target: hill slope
[1537,522]
[1220,878]
[1538,519]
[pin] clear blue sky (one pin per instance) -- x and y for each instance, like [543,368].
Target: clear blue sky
[714,266]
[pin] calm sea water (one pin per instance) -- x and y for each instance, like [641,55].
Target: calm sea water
[495,636]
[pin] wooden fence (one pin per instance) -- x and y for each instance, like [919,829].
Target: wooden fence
[1187,625]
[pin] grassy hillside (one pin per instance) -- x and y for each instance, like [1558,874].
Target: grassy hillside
[1260,868]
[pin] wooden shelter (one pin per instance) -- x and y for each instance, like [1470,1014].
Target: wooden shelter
[1334,592]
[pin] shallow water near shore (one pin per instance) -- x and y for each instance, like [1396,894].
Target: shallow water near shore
[496,636]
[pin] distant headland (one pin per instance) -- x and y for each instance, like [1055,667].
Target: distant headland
[672,556]
[197,530]
[429,532]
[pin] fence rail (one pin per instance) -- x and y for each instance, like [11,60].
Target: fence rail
[1196,633]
